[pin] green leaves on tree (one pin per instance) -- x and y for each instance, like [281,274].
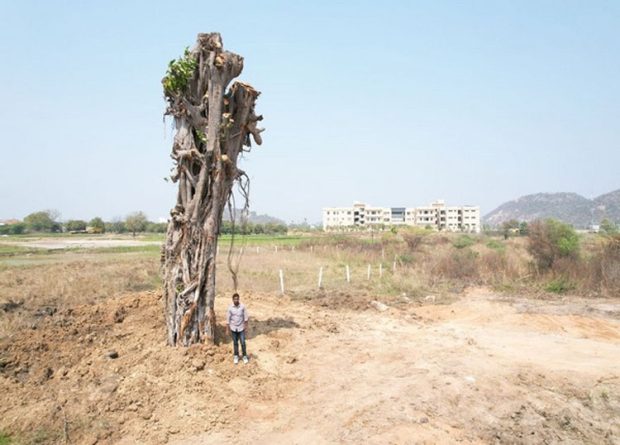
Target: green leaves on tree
[179,73]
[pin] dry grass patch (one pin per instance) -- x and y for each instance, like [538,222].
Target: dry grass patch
[29,292]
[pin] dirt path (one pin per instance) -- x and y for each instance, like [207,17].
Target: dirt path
[479,370]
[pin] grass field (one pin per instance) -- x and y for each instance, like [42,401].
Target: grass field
[261,240]
[388,263]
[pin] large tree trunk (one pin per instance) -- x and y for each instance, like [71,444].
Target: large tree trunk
[212,126]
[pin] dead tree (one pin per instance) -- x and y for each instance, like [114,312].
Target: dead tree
[213,125]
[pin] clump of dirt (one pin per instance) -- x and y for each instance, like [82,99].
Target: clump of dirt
[354,300]
[335,299]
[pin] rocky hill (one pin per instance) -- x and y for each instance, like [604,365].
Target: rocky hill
[253,217]
[568,207]
[608,205]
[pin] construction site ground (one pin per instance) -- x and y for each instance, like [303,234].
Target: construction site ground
[324,368]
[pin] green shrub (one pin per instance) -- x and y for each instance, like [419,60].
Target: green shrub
[551,240]
[153,227]
[97,225]
[459,264]
[116,226]
[608,227]
[559,286]
[463,241]
[179,73]
[414,237]
[43,221]
[13,229]
[406,258]
[388,238]
[495,245]
[75,225]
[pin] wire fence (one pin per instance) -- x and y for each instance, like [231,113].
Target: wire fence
[295,269]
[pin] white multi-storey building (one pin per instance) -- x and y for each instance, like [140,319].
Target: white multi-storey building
[437,216]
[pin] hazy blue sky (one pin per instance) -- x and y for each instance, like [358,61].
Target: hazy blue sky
[391,103]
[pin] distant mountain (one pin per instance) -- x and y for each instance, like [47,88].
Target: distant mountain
[568,207]
[608,205]
[264,219]
[253,217]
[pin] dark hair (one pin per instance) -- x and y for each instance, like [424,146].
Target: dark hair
[235,295]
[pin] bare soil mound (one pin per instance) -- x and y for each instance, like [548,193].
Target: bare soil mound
[97,373]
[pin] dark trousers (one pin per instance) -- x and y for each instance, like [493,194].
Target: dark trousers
[236,337]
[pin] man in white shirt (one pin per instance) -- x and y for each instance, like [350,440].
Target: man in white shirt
[237,321]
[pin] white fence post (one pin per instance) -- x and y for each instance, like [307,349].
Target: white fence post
[320,277]
[281,282]
[368,273]
[380,270]
[348,274]
[257,249]
[276,249]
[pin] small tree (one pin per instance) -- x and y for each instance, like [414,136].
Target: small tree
[608,227]
[246,228]
[13,229]
[414,237]
[75,225]
[226,228]
[115,226]
[43,221]
[551,240]
[154,227]
[509,227]
[97,225]
[136,222]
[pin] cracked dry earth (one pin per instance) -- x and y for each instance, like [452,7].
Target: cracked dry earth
[482,369]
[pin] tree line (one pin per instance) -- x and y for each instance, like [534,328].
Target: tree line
[47,221]
[514,227]
[249,228]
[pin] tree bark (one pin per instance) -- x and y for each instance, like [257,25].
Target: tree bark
[213,125]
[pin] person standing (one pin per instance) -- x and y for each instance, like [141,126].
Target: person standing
[237,321]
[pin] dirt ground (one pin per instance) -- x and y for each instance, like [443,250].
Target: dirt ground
[481,369]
